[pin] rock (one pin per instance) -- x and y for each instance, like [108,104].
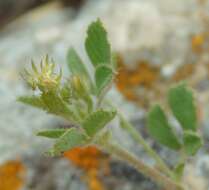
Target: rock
[159,32]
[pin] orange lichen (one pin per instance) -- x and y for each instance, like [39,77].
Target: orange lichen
[183,72]
[144,74]
[129,81]
[197,42]
[93,180]
[87,158]
[91,160]
[144,84]
[12,175]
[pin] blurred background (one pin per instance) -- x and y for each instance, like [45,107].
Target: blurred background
[158,43]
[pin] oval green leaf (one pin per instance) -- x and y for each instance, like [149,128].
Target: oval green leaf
[182,105]
[192,142]
[160,129]
[76,66]
[103,77]
[97,120]
[71,138]
[97,45]
[53,133]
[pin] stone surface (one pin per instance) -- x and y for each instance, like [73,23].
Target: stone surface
[159,31]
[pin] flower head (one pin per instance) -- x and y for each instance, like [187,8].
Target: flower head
[45,78]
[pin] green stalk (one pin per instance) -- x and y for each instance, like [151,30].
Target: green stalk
[138,138]
[141,167]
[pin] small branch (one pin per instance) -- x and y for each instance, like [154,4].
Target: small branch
[146,170]
[138,138]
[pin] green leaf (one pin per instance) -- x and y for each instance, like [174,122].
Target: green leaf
[97,45]
[66,92]
[54,133]
[160,129]
[80,91]
[34,101]
[192,142]
[103,77]
[182,104]
[70,139]
[97,120]
[114,60]
[76,66]
[179,171]
[56,105]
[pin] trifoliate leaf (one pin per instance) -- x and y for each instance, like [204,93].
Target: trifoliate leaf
[97,45]
[160,129]
[97,120]
[192,142]
[57,106]
[70,139]
[76,66]
[53,133]
[103,77]
[182,104]
[51,103]
[34,101]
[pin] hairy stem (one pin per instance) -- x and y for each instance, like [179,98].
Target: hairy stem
[138,138]
[146,170]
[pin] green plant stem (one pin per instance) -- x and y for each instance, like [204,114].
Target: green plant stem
[146,170]
[138,138]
